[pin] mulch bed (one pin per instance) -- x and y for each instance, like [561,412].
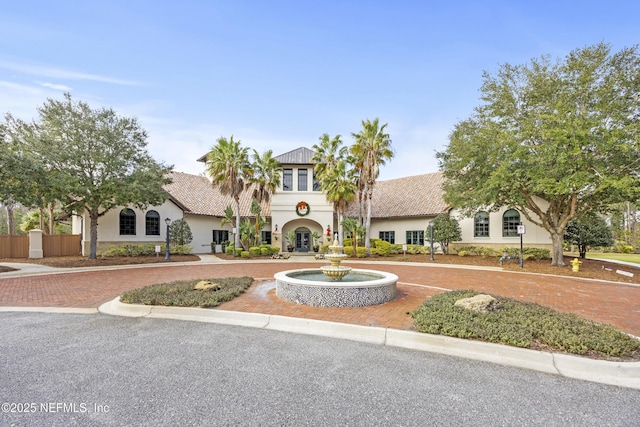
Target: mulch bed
[589,268]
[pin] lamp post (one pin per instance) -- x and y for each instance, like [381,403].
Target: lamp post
[167,257]
[431,257]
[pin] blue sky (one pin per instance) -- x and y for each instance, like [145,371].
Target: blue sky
[278,74]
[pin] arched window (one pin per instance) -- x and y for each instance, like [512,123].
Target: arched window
[152,223]
[481,224]
[127,222]
[510,222]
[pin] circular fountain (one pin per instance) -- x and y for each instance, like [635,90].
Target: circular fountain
[336,285]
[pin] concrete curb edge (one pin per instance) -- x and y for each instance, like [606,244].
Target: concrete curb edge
[624,374]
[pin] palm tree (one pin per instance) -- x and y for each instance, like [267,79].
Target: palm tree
[327,153]
[228,166]
[372,149]
[340,190]
[266,178]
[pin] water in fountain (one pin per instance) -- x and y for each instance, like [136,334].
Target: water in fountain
[336,285]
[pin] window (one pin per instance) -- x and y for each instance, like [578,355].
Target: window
[266,237]
[388,236]
[415,237]
[510,222]
[287,179]
[220,236]
[127,222]
[481,224]
[316,182]
[302,180]
[152,223]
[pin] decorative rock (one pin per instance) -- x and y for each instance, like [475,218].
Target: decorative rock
[204,285]
[480,302]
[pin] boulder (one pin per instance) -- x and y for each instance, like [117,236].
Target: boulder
[204,285]
[480,302]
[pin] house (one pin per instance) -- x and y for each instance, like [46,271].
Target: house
[401,211]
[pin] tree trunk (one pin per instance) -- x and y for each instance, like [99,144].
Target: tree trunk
[236,239]
[557,255]
[52,221]
[11,226]
[582,250]
[367,235]
[93,234]
[41,210]
[340,230]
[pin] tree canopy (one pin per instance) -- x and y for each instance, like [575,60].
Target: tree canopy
[588,231]
[554,139]
[94,159]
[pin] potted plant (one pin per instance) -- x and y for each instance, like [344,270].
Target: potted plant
[316,241]
[291,240]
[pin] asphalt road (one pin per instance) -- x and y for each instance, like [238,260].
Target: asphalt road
[63,369]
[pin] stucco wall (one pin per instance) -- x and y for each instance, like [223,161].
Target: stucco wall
[109,227]
[534,237]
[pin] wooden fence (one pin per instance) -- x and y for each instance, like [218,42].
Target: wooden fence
[14,246]
[60,245]
[56,245]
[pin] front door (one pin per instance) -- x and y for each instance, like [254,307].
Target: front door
[302,241]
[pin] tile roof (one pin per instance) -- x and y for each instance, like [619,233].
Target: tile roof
[419,195]
[197,196]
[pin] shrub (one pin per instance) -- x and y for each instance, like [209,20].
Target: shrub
[361,252]
[182,294]
[383,248]
[254,250]
[238,251]
[536,253]
[245,254]
[325,248]
[145,249]
[180,232]
[417,249]
[229,250]
[265,250]
[463,253]
[348,250]
[521,325]
[395,249]
[347,242]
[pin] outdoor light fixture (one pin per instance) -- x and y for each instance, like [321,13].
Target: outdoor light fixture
[167,257]
[328,231]
[275,230]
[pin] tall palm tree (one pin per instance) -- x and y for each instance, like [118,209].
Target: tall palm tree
[228,166]
[266,178]
[372,149]
[327,153]
[340,190]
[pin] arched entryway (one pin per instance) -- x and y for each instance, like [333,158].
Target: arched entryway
[303,240]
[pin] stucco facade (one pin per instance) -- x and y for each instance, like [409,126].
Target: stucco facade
[402,210]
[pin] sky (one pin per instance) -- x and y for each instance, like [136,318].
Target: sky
[279,74]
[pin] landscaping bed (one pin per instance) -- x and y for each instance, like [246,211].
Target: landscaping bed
[80,261]
[525,325]
[591,269]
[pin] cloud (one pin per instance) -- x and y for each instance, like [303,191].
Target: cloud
[58,73]
[54,86]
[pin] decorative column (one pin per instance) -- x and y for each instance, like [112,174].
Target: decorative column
[35,244]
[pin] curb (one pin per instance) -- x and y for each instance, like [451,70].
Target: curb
[623,374]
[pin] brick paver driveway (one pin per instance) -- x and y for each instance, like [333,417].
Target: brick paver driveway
[614,303]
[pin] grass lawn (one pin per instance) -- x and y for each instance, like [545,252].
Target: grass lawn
[635,258]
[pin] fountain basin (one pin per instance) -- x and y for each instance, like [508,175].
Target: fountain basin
[357,289]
